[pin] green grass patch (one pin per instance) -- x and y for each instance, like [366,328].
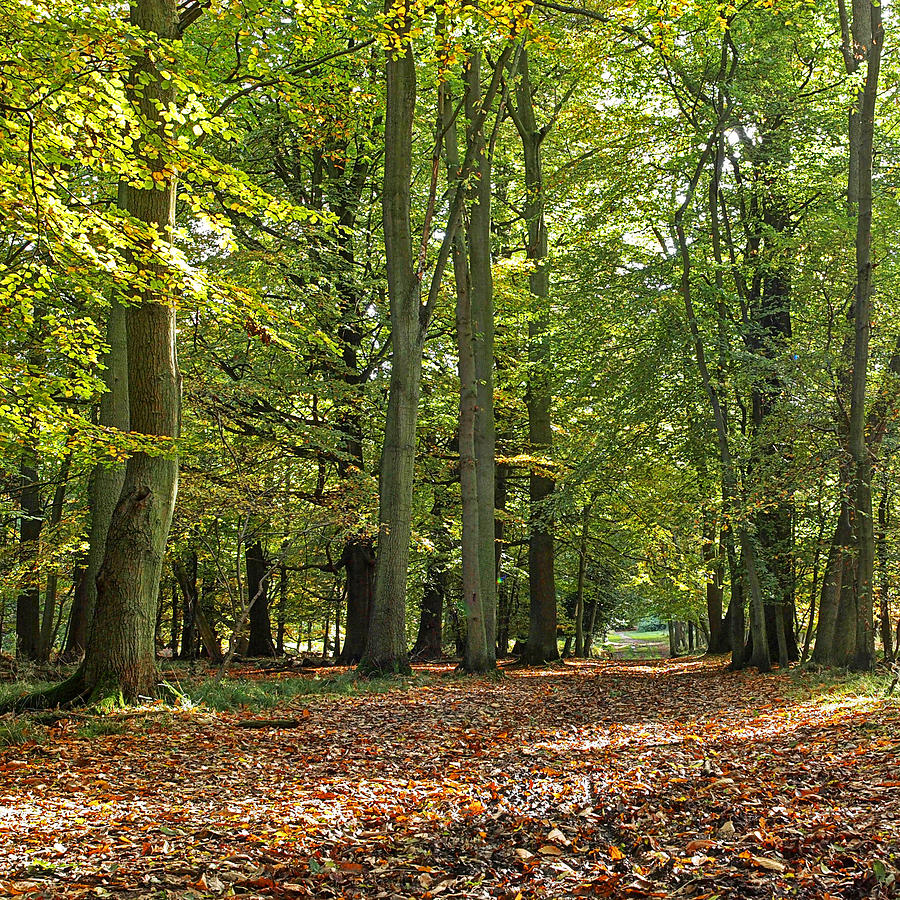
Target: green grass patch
[18,731]
[15,690]
[270,693]
[104,727]
[840,688]
[657,636]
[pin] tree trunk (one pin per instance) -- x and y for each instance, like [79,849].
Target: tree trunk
[386,648]
[261,642]
[174,629]
[120,661]
[481,287]
[884,592]
[478,656]
[359,563]
[811,618]
[589,643]
[49,612]
[579,596]
[719,638]
[542,644]
[429,642]
[868,38]
[211,643]
[28,631]
[503,593]
[729,472]
[105,485]
[282,609]
[186,576]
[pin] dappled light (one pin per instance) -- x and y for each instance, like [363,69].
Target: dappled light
[617,779]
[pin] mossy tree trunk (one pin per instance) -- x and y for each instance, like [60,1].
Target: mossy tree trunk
[120,660]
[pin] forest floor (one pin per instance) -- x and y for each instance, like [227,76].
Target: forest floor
[662,778]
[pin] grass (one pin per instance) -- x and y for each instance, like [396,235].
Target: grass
[623,644]
[102,728]
[835,688]
[656,636]
[18,731]
[13,690]
[231,694]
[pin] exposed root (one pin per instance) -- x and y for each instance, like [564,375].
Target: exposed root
[372,668]
[72,691]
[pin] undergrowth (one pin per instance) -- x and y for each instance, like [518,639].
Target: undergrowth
[840,687]
[231,694]
[17,731]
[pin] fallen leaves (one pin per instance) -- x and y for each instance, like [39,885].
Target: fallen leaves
[593,780]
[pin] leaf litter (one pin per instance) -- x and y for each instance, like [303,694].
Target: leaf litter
[615,779]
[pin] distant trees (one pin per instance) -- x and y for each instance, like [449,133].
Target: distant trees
[464,319]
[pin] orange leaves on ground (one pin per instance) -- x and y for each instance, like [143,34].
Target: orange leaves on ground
[632,780]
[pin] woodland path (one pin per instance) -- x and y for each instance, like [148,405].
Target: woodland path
[627,647]
[663,778]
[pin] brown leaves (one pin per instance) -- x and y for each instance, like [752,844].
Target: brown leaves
[640,780]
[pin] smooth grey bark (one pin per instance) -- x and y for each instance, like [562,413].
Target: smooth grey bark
[386,648]
[478,657]
[884,582]
[767,333]
[719,639]
[105,485]
[729,474]
[542,643]
[481,286]
[503,592]
[846,632]
[868,38]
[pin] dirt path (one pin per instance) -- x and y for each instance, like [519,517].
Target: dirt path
[634,646]
[643,779]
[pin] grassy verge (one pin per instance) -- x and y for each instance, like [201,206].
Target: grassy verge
[231,694]
[178,687]
[833,688]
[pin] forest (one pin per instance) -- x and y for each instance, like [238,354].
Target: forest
[502,395]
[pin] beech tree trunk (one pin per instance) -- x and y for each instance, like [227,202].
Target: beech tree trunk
[868,38]
[359,564]
[48,617]
[386,648]
[186,576]
[261,642]
[542,643]
[31,520]
[120,663]
[105,485]
[719,638]
[846,632]
[503,585]
[478,657]
[884,584]
[429,642]
[481,287]
[582,568]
